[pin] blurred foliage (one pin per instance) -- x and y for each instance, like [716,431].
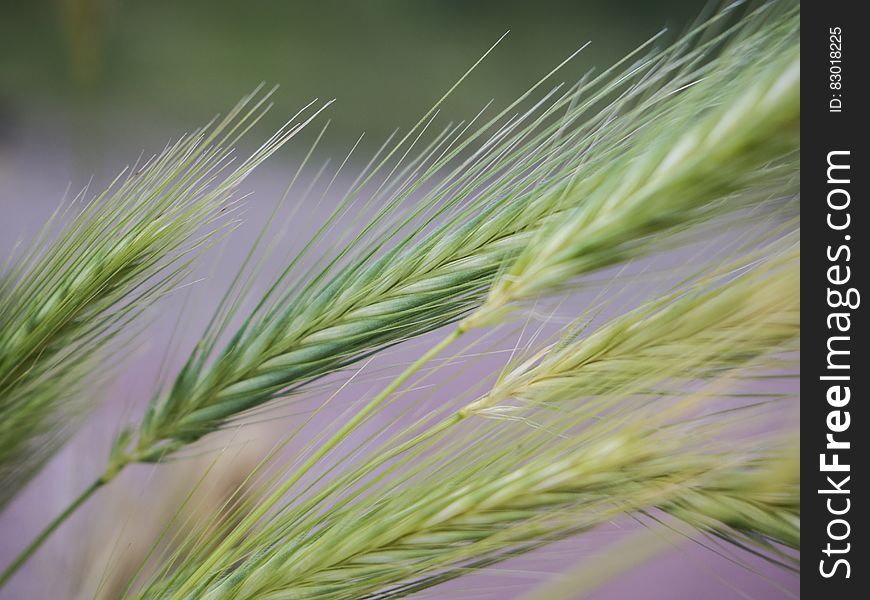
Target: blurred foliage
[110,62]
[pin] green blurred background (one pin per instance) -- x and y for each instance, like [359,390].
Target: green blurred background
[101,70]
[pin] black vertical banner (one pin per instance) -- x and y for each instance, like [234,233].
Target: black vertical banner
[834,370]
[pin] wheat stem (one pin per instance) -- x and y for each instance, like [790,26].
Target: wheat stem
[450,521]
[126,248]
[37,542]
[339,436]
[695,326]
[535,173]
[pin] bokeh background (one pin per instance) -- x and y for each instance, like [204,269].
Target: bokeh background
[86,85]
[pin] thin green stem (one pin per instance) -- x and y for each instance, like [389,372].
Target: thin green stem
[46,533]
[112,471]
[239,531]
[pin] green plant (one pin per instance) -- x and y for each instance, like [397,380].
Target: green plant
[546,188]
[83,284]
[610,438]
[479,225]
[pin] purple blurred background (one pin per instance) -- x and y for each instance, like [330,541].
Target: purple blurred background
[85,85]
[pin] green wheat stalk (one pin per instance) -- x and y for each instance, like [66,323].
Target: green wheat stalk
[696,332]
[83,285]
[429,279]
[611,169]
[683,180]
[762,499]
[475,497]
